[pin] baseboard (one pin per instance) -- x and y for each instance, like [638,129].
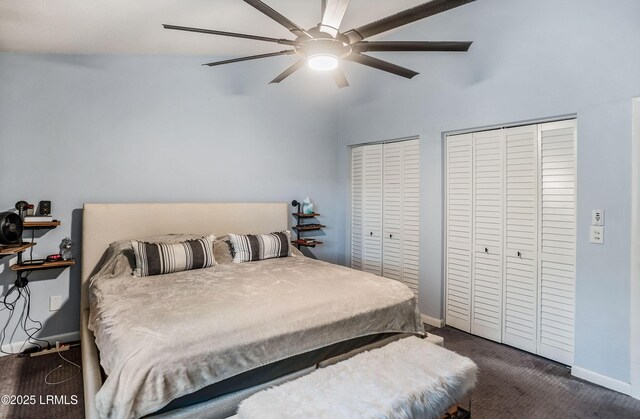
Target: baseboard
[601,380]
[13,348]
[432,321]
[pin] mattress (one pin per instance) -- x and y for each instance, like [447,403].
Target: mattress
[167,336]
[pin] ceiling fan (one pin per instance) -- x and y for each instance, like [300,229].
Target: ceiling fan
[323,46]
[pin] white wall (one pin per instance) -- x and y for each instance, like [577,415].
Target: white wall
[529,60]
[77,129]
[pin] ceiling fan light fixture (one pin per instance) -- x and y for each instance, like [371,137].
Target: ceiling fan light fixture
[322,62]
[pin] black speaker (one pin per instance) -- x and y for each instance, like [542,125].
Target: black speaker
[10,228]
[44,208]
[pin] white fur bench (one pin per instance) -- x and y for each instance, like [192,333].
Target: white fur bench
[409,378]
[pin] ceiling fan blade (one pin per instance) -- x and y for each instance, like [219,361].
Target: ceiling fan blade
[295,29]
[289,71]
[334,11]
[403,18]
[381,65]
[340,78]
[232,34]
[251,57]
[365,46]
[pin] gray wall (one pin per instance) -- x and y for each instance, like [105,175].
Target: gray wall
[529,60]
[77,129]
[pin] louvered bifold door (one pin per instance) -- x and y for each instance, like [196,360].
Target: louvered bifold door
[521,233]
[411,214]
[357,168]
[392,211]
[458,172]
[488,194]
[372,209]
[558,240]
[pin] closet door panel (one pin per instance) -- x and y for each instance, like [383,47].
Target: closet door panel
[558,241]
[488,219]
[357,168]
[372,209]
[459,209]
[521,244]
[392,211]
[411,214]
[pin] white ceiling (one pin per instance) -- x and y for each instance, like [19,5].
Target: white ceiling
[135,26]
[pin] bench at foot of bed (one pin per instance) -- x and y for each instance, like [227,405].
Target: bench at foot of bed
[409,378]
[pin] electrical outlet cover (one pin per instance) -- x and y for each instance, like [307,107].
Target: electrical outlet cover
[55,303]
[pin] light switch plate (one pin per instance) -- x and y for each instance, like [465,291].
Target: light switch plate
[596,235]
[597,217]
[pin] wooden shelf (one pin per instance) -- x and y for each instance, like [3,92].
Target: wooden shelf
[46,265]
[302,215]
[305,243]
[13,250]
[303,227]
[42,224]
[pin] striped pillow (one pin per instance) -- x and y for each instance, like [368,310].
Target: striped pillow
[164,258]
[251,247]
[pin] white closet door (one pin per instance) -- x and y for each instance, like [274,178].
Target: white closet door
[558,240]
[488,220]
[357,166]
[411,214]
[392,211]
[521,233]
[372,209]
[459,176]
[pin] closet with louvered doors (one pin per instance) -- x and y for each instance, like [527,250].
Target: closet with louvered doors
[385,195]
[510,236]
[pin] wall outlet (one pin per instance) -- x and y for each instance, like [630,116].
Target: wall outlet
[596,235]
[55,302]
[597,217]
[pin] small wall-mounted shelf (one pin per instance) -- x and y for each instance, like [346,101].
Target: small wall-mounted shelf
[306,242]
[46,265]
[309,227]
[302,215]
[41,224]
[22,267]
[300,227]
[14,250]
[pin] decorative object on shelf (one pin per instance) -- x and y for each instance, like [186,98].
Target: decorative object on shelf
[44,208]
[301,227]
[307,206]
[10,228]
[21,206]
[65,248]
[29,209]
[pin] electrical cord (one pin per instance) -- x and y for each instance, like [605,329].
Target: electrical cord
[79,368]
[24,320]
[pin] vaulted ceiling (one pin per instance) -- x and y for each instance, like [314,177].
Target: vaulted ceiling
[135,26]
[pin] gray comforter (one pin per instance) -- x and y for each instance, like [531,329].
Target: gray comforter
[165,336]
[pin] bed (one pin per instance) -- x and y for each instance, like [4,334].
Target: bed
[206,339]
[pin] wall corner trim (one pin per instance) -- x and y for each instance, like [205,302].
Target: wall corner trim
[601,380]
[432,321]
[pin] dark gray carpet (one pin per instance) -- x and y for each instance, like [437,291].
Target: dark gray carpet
[516,384]
[512,384]
[25,377]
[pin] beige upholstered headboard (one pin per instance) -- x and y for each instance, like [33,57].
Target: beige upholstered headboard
[102,224]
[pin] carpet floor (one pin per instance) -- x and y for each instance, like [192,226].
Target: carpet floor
[512,384]
[517,384]
[24,378]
